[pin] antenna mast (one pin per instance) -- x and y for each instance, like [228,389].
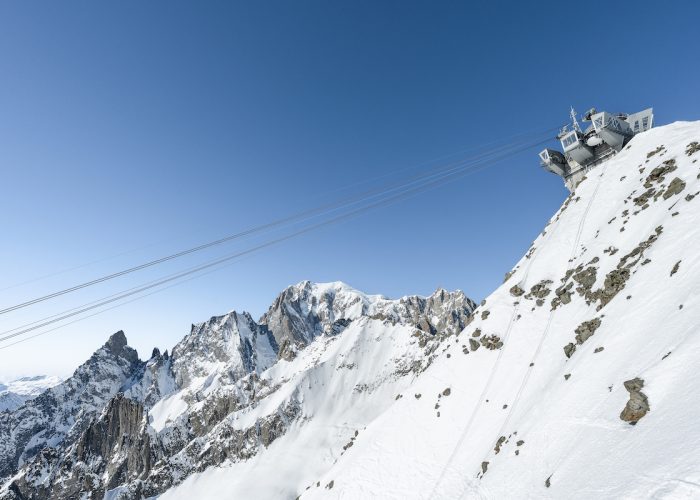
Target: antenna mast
[574,121]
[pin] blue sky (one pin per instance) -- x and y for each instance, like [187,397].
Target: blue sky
[134,129]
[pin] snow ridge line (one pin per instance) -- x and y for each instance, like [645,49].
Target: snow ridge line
[494,369]
[521,390]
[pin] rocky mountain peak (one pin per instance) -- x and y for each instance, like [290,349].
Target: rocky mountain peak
[116,342]
[233,343]
[306,310]
[117,346]
[62,412]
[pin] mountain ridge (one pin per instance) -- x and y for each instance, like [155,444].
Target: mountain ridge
[168,404]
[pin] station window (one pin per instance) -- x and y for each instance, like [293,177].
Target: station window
[569,140]
[645,122]
[636,126]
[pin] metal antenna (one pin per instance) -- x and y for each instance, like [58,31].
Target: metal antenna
[577,127]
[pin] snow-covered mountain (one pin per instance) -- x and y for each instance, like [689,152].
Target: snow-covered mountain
[595,329]
[16,392]
[573,379]
[63,412]
[304,311]
[227,391]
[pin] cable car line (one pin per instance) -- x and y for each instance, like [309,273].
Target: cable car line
[443,178]
[307,214]
[114,306]
[168,278]
[70,310]
[426,163]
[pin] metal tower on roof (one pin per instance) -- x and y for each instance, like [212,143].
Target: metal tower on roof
[574,121]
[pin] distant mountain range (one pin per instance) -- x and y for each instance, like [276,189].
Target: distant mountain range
[14,393]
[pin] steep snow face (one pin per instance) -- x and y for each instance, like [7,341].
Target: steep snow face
[62,412]
[594,329]
[304,311]
[14,393]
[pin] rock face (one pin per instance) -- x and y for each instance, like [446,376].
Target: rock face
[63,412]
[234,340]
[113,449]
[153,380]
[638,404]
[675,187]
[118,434]
[304,311]
[586,330]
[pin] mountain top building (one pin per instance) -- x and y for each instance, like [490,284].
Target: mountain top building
[606,135]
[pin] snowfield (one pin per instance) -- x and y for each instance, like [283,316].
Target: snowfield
[541,424]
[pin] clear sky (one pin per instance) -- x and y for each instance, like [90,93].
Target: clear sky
[129,130]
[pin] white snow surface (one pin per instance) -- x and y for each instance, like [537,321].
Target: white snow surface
[14,393]
[412,439]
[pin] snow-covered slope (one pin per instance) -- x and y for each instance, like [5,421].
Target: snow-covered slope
[14,393]
[595,329]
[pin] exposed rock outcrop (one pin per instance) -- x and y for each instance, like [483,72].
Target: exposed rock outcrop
[586,330]
[638,404]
